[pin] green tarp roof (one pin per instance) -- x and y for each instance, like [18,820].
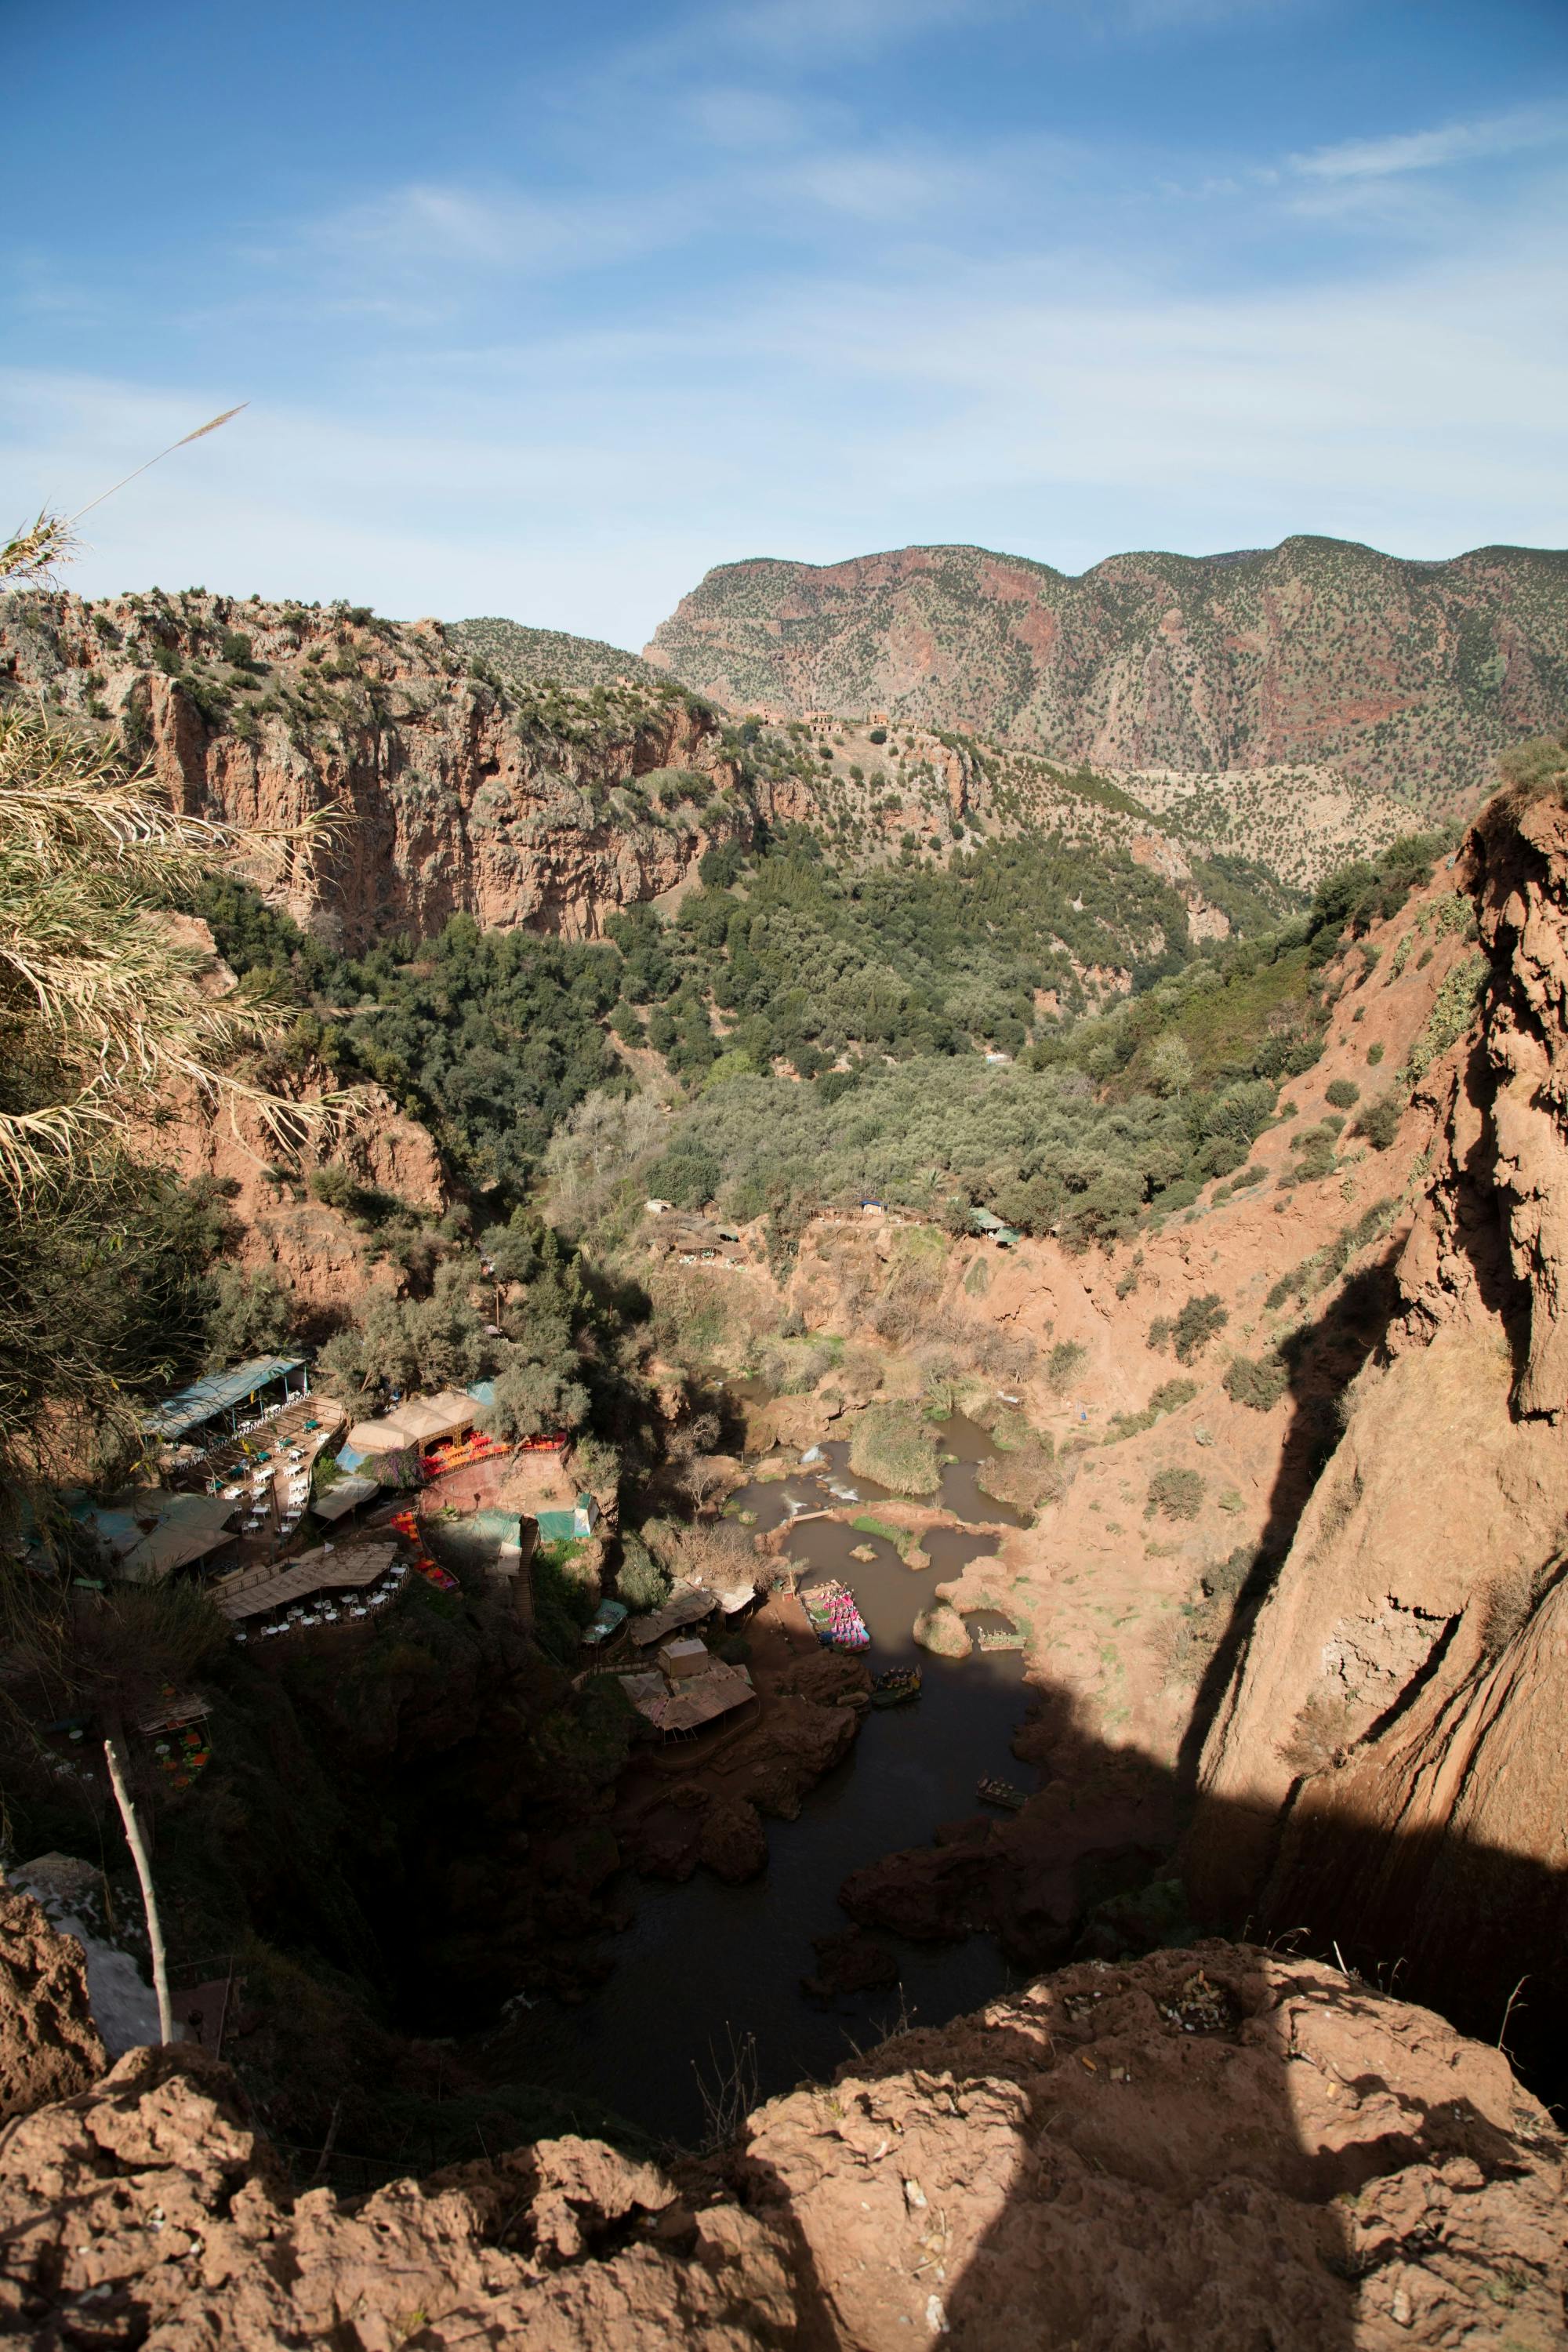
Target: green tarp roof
[217,1392]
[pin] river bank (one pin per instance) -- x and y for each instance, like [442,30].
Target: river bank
[705,1990]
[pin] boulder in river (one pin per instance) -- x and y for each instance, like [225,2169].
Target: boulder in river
[943,1630]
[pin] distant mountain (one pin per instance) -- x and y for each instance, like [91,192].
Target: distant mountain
[1406,677]
[547,657]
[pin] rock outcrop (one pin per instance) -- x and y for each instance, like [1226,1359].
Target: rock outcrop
[461,792]
[1205,2151]
[1400,676]
[1387,1767]
[49,2047]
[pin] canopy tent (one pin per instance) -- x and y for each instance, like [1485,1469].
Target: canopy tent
[220,1394]
[385,1435]
[418,1421]
[151,1532]
[344,1495]
[252,1591]
[433,1418]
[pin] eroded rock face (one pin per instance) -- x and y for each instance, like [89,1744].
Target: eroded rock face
[1217,2147]
[49,2047]
[146,2212]
[519,805]
[1211,2148]
[1387,1767]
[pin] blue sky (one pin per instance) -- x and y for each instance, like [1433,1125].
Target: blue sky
[542,311]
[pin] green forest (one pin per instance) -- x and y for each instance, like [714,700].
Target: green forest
[914,1032]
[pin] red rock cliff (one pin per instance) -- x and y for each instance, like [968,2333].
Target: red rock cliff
[1387,1767]
[516,805]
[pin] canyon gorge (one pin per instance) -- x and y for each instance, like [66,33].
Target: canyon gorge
[1244,2027]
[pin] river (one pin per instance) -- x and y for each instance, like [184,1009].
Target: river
[705,1969]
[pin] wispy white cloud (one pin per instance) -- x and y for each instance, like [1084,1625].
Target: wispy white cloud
[730,307]
[426,225]
[748,121]
[1512,133]
[1059,404]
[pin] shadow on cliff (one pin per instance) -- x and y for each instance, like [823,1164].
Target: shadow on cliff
[1126,2165]
[1321,1358]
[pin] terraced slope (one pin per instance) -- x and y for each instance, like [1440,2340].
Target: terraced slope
[1406,678]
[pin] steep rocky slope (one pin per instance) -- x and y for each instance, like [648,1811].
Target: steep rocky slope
[1212,2149]
[1390,1749]
[517,803]
[1111,1587]
[1317,1586]
[1406,676]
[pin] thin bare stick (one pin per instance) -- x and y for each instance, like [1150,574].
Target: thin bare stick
[1508,2012]
[149,1900]
[326,2156]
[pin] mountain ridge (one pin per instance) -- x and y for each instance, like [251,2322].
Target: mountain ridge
[1408,674]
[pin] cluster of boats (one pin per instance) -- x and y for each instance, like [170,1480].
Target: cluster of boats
[836,1620]
[838,1625]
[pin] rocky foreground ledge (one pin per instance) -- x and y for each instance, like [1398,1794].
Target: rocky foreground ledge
[1220,2147]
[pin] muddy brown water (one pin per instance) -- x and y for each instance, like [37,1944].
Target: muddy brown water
[705,1969]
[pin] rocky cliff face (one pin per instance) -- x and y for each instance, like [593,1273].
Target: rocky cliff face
[1216,2147]
[315,1251]
[514,803]
[1407,676]
[1319,1582]
[1389,1751]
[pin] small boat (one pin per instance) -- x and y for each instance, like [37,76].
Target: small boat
[1001,1792]
[897,1687]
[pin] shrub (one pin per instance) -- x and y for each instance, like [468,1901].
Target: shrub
[563,1600]
[1167,1398]
[640,1581]
[1063,1361]
[1453,1010]
[1373,1056]
[332,1185]
[877,735]
[1198,1322]
[1176,1493]
[1317,1155]
[892,1445]
[1025,1479]
[1378,1120]
[1258,1380]
[251,1315]
[1344,1093]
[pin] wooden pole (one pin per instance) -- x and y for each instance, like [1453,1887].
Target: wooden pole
[149,1900]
